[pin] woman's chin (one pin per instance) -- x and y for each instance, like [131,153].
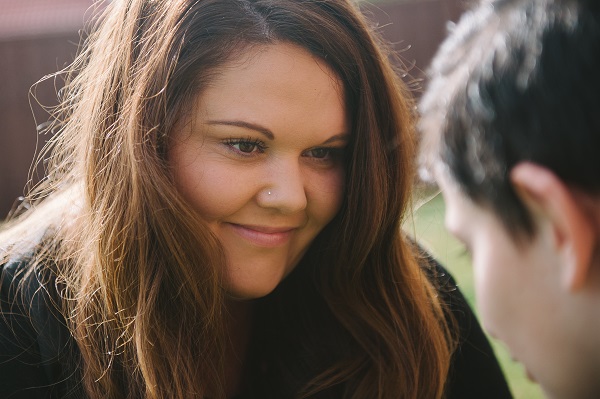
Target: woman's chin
[246,292]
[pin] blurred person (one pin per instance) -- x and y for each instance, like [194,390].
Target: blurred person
[510,132]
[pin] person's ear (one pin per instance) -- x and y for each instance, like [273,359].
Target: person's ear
[572,225]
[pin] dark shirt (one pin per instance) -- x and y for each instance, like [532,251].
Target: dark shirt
[39,358]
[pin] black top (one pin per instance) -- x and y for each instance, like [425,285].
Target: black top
[39,358]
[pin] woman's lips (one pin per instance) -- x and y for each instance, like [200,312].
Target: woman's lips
[263,236]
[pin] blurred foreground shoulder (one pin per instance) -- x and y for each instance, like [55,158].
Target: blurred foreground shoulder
[37,356]
[475,371]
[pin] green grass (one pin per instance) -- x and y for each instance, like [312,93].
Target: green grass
[428,228]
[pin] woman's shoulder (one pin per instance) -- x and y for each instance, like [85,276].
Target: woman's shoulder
[35,345]
[14,270]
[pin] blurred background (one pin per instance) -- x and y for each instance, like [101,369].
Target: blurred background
[37,38]
[40,37]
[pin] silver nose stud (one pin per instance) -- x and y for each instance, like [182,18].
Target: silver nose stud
[269,193]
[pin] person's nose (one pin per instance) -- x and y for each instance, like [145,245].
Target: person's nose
[284,188]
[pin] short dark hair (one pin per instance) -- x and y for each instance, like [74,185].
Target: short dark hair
[517,80]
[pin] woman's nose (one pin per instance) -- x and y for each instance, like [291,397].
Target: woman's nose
[284,188]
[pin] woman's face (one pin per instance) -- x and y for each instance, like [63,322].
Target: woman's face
[260,161]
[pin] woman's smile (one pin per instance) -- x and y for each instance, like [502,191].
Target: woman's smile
[263,236]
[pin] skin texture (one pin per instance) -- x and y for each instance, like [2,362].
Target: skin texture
[260,161]
[539,296]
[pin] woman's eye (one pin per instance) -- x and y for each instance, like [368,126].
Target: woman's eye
[319,153]
[246,146]
[325,155]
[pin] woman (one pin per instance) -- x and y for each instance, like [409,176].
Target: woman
[222,214]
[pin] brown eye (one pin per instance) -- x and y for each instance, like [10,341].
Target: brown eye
[325,154]
[320,153]
[246,147]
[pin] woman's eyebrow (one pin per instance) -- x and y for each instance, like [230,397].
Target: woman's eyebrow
[337,137]
[247,125]
[267,133]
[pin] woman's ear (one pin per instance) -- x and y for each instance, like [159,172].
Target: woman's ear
[573,226]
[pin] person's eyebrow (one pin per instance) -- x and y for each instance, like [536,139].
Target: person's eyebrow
[246,125]
[338,137]
[266,132]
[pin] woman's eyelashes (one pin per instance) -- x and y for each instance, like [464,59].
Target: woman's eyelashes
[325,155]
[249,146]
[246,146]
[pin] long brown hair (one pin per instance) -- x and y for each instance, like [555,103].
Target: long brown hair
[143,297]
